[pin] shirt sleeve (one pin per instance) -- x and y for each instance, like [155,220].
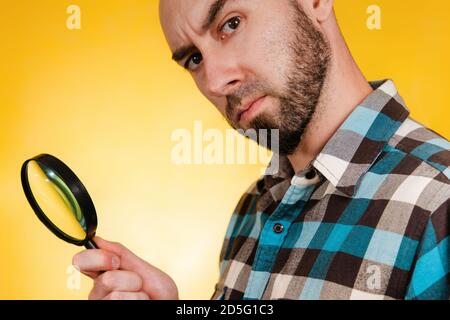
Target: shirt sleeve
[430,278]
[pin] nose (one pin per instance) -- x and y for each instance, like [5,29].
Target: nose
[222,75]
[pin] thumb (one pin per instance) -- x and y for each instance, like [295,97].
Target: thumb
[114,247]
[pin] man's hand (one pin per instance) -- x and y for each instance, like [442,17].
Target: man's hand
[125,276]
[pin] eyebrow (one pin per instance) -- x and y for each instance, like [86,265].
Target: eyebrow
[214,10]
[182,52]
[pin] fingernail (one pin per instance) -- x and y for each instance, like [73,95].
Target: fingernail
[75,261]
[115,262]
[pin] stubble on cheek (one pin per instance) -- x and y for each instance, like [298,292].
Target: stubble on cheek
[271,63]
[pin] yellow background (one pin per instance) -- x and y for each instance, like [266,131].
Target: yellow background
[106,98]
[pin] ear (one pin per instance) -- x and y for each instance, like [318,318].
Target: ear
[319,10]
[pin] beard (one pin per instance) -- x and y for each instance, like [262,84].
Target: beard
[310,56]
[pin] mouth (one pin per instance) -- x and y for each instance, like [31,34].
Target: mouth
[249,110]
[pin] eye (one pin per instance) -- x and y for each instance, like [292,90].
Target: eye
[193,61]
[230,26]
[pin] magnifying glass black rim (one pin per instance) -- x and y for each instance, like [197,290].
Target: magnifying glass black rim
[75,186]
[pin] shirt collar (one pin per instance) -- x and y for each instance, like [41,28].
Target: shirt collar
[356,145]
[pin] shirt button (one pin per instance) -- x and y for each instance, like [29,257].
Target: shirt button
[310,174]
[278,228]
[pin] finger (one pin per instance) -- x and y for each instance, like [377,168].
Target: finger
[119,295]
[94,260]
[118,280]
[128,261]
[113,247]
[156,283]
[90,274]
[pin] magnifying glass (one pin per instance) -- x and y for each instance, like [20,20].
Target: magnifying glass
[60,200]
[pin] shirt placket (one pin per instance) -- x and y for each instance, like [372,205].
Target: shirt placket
[273,235]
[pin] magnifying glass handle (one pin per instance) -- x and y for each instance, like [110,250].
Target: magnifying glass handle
[91,245]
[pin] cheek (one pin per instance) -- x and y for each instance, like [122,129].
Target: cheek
[270,57]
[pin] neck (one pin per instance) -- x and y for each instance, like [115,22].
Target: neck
[344,88]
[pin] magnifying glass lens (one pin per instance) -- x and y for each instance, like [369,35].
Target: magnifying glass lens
[56,200]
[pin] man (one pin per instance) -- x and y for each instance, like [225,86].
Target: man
[360,206]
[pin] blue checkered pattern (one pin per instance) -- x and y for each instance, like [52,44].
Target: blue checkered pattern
[372,222]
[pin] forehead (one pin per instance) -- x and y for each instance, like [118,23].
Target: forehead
[178,17]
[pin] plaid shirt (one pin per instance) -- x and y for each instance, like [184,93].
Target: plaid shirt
[368,220]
